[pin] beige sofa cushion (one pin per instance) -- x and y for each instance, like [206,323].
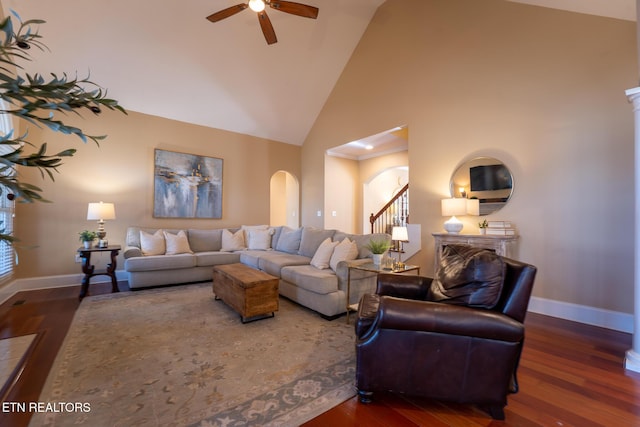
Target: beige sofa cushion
[205,240]
[272,262]
[289,240]
[160,262]
[310,278]
[311,239]
[209,259]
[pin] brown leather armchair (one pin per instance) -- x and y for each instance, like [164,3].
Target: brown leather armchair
[407,343]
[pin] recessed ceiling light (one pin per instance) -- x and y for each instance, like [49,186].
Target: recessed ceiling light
[368,147]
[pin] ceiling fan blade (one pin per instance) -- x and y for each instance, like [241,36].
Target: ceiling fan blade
[267,28]
[295,8]
[225,13]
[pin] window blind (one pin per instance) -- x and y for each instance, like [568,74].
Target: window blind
[7,207]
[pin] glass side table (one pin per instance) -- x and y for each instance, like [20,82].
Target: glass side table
[374,268]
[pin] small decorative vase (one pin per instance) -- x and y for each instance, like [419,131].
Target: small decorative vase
[377,258]
[483,231]
[87,244]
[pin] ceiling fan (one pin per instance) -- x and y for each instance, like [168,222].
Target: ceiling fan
[258,6]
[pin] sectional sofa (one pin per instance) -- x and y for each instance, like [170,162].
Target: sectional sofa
[311,263]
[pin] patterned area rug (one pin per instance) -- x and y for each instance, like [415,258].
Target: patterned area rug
[177,357]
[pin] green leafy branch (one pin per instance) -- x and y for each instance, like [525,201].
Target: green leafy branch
[37,100]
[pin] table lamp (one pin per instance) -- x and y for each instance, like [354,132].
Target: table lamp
[452,207]
[400,234]
[101,212]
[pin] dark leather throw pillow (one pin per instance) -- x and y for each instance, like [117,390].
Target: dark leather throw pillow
[469,276]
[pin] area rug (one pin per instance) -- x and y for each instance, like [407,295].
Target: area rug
[178,357]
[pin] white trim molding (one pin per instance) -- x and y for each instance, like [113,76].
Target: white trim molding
[609,319]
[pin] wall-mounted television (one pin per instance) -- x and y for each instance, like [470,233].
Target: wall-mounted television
[489,178]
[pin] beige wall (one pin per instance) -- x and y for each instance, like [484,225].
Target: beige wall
[342,197]
[121,171]
[540,89]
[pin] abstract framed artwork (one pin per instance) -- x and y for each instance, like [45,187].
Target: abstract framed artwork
[186,186]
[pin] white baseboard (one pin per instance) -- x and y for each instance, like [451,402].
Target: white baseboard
[584,314]
[47,282]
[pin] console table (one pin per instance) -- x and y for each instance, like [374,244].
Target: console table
[502,245]
[89,270]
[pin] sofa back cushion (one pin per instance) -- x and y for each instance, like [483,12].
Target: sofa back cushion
[468,276]
[205,240]
[311,239]
[289,240]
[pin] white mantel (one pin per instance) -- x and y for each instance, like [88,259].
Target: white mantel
[632,358]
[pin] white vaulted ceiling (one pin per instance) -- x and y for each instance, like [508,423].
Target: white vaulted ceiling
[164,58]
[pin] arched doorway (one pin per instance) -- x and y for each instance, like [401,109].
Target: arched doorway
[284,200]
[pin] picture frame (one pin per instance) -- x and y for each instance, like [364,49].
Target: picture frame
[187,185]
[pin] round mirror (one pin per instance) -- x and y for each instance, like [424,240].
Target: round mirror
[486,179]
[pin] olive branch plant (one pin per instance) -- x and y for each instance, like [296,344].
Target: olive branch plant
[36,100]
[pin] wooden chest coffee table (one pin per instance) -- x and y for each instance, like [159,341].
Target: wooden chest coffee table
[250,292]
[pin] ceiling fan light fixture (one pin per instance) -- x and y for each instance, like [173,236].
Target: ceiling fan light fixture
[256,5]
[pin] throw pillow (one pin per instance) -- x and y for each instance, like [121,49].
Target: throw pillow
[469,276]
[177,243]
[259,239]
[289,240]
[323,255]
[233,241]
[152,244]
[344,251]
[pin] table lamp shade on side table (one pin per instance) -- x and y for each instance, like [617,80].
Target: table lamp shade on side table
[100,212]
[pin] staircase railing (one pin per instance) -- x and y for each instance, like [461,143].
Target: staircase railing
[394,213]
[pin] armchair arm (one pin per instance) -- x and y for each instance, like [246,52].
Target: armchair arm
[403,286]
[427,316]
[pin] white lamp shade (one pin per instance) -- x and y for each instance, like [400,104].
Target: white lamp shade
[101,211]
[473,207]
[455,206]
[400,234]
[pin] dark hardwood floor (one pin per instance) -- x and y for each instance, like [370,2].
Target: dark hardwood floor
[570,374]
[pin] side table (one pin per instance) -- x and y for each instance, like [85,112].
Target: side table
[89,270]
[374,268]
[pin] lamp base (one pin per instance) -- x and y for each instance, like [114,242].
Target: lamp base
[453,225]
